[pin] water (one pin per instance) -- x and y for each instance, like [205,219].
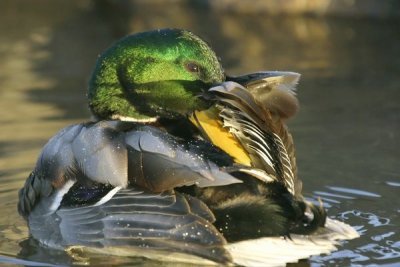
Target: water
[346,133]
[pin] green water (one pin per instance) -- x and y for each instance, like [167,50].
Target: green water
[347,132]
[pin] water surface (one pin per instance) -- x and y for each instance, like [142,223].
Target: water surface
[346,133]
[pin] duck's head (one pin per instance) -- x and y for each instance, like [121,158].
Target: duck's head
[152,74]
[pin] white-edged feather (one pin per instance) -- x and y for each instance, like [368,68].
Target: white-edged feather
[58,196]
[108,196]
[286,164]
[244,128]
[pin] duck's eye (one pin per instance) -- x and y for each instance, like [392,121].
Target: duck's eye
[192,67]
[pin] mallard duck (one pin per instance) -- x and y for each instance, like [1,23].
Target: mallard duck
[180,162]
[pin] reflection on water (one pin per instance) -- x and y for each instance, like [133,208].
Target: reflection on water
[346,133]
[380,240]
[379,234]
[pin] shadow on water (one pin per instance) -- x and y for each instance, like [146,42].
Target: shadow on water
[346,132]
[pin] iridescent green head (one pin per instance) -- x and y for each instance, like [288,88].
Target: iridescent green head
[155,73]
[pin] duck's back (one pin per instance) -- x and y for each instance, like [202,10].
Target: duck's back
[110,184]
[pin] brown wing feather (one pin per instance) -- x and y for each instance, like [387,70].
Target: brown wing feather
[274,91]
[270,121]
[252,124]
[281,129]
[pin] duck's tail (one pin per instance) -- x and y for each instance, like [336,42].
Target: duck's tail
[277,251]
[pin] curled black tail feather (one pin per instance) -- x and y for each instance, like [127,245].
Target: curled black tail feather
[311,222]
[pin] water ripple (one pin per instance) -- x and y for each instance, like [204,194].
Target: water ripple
[353,191]
[373,219]
[322,193]
[391,183]
[378,243]
[341,256]
[382,236]
[380,252]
